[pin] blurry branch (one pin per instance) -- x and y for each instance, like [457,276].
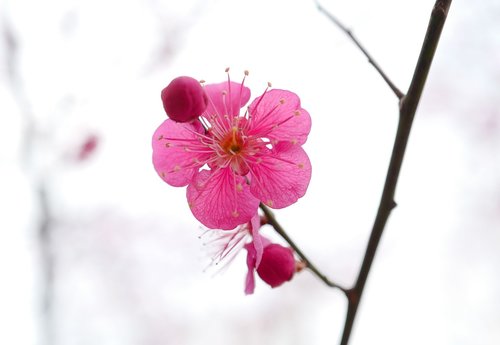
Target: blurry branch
[47,260]
[353,38]
[11,44]
[30,140]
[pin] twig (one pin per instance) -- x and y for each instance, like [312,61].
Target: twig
[44,225]
[353,38]
[271,220]
[408,107]
[47,263]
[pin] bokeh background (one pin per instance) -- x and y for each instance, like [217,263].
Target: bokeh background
[96,249]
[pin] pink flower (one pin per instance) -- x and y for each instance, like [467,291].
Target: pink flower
[231,161]
[184,99]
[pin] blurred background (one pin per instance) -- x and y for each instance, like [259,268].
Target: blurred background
[96,249]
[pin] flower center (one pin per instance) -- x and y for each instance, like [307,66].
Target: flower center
[233,143]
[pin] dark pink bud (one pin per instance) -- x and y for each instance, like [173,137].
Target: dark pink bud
[184,99]
[277,265]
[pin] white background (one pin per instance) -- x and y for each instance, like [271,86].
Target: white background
[128,260]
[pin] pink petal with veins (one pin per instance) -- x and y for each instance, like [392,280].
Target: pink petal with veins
[278,116]
[172,159]
[282,177]
[221,199]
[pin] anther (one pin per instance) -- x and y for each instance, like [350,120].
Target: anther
[246,73]
[227,69]
[202,81]
[269,84]
[282,101]
[296,113]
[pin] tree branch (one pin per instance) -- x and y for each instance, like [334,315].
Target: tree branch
[408,107]
[353,38]
[271,220]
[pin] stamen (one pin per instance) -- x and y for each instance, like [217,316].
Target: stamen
[241,86]
[262,96]
[230,98]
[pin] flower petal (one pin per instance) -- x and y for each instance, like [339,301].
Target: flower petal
[226,98]
[221,199]
[174,156]
[250,279]
[277,115]
[282,176]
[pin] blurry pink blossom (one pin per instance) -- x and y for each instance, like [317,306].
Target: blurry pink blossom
[88,147]
[184,99]
[230,161]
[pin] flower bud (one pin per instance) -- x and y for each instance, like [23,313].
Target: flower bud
[184,99]
[277,265]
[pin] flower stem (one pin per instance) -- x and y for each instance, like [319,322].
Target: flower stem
[271,220]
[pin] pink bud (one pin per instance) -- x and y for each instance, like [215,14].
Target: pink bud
[277,265]
[184,99]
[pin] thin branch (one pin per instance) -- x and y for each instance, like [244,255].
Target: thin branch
[271,220]
[44,225]
[45,241]
[353,38]
[408,107]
